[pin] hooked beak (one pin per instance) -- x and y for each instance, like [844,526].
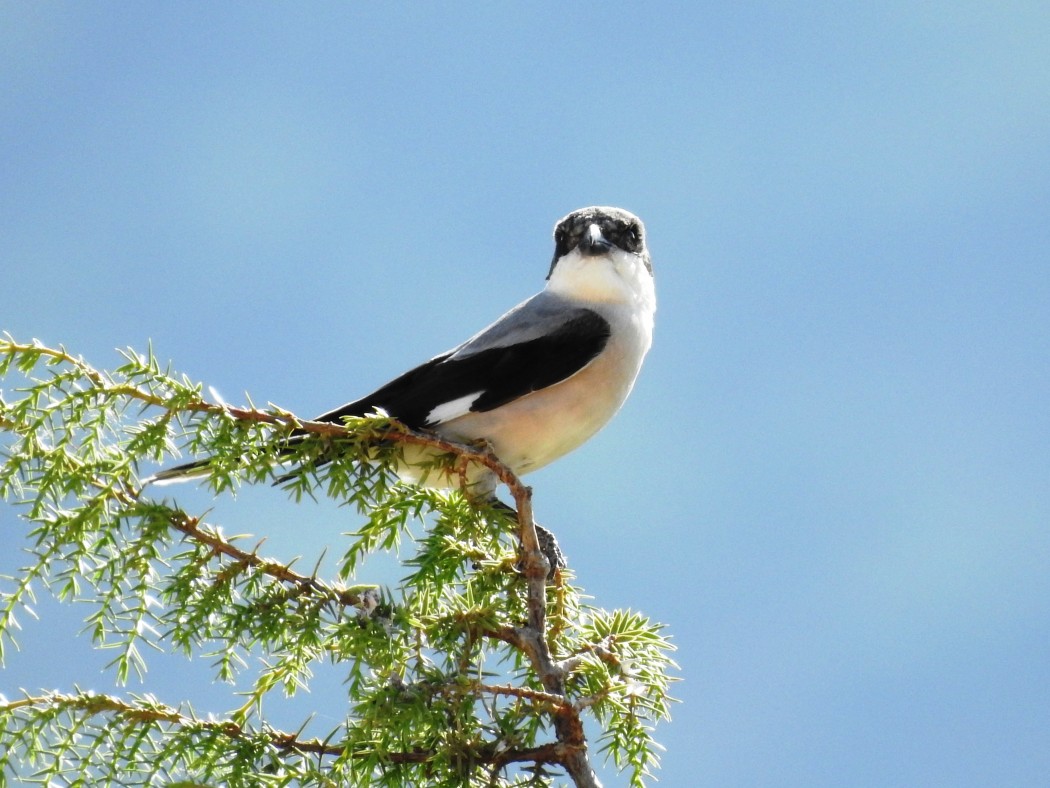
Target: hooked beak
[593,242]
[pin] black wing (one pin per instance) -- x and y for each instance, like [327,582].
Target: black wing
[497,375]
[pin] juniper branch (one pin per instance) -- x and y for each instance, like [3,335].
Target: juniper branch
[592,655]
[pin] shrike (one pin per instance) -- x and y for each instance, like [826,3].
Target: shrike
[543,378]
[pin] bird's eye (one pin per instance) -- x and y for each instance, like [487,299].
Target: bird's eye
[633,237]
[625,236]
[566,238]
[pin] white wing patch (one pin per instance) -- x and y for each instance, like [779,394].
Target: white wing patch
[452,409]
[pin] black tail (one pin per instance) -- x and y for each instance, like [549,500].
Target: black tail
[180,473]
[198,469]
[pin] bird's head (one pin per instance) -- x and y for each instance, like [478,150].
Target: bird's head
[600,255]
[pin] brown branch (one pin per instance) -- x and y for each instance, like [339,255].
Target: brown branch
[554,701]
[96,704]
[531,638]
[601,650]
[191,527]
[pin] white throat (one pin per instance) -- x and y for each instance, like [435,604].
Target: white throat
[617,277]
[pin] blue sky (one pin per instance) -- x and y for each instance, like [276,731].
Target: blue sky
[832,481]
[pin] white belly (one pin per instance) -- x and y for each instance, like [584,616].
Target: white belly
[542,426]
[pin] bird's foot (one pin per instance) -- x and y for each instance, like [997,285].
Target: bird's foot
[548,544]
[551,550]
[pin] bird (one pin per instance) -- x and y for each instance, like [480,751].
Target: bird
[543,378]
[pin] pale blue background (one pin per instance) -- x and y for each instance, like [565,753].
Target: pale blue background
[832,481]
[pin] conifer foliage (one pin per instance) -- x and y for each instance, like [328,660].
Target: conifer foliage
[474,670]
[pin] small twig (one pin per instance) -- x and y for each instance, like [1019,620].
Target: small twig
[554,701]
[602,650]
[94,704]
[191,527]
